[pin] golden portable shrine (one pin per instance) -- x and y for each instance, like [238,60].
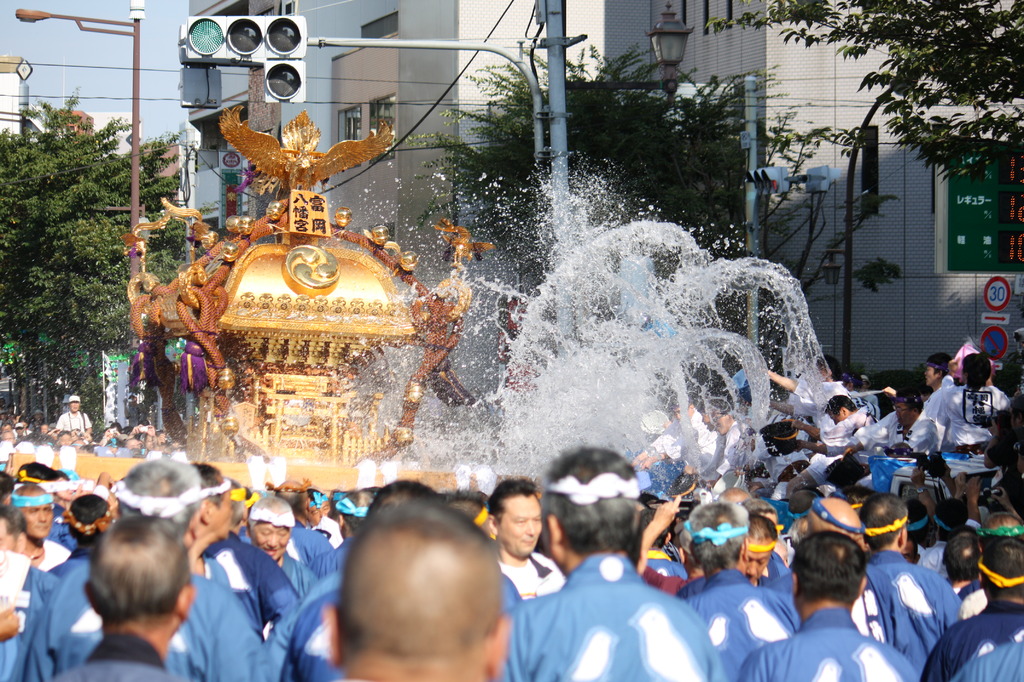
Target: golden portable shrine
[283,314]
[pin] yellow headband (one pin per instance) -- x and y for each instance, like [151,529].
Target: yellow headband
[238,495]
[25,478]
[894,526]
[779,527]
[998,580]
[762,548]
[857,506]
[481,518]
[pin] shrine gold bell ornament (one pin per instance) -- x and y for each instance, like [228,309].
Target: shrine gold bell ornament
[285,318]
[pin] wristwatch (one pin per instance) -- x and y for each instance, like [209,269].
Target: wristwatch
[921,490]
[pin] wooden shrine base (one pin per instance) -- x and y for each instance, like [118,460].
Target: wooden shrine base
[324,477]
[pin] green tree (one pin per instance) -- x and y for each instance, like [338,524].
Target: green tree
[62,269]
[948,84]
[678,161]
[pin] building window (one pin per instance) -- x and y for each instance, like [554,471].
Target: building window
[728,10]
[384,27]
[350,124]
[707,15]
[684,5]
[869,171]
[288,7]
[382,109]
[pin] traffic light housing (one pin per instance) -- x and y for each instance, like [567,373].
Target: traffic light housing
[278,43]
[770,180]
[820,179]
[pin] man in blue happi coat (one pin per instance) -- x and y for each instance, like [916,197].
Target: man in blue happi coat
[306,544]
[138,624]
[216,643]
[828,576]
[915,604]
[1002,621]
[87,518]
[270,527]
[386,626]
[605,623]
[263,588]
[26,591]
[300,645]
[1004,663]
[740,617]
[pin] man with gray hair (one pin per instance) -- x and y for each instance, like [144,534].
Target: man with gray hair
[270,528]
[140,586]
[741,618]
[215,644]
[605,623]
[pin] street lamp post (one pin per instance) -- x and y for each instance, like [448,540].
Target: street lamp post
[668,39]
[848,232]
[137,13]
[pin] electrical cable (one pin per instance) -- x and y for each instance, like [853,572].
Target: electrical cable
[430,110]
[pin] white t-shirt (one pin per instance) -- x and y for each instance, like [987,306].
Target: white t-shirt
[922,435]
[538,577]
[54,555]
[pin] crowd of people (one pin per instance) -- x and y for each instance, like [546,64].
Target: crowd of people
[718,553]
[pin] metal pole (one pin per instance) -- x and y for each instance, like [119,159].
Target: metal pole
[558,126]
[135,201]
[851,169]
[524,68]
[753,219]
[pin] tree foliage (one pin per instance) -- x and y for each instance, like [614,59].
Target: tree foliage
[62,268]
[949,81]
[678,161]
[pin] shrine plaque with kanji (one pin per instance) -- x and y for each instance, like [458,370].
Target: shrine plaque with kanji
[307,214]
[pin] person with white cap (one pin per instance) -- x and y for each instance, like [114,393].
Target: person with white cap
[270,528]
[74,419]
[604,622]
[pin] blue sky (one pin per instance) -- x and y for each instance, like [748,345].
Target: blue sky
[65,59]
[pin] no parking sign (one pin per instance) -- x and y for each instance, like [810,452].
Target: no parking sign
[994,341]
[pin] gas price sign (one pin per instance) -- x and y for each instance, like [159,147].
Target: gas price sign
[980,223]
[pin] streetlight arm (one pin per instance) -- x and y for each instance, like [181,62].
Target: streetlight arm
[31,16]
[531,80]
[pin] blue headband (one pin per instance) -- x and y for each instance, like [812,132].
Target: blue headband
[717,536]
[31,500]
[348,508]
[819,508]
[318,499]
[941,525]
[919,524]
[800,515]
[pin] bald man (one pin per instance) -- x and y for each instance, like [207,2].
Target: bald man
[734,495]
[388,628]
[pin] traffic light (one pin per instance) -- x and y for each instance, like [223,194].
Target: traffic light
[278,43]
[769,180]
[820,179]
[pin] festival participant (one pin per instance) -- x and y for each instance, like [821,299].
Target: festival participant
[936,369]
[915,604]
[260,584]
[1002,621]
[306,544]
[298,646]
[604,623]
[25,593]
[967,413]
[657,551]
[740,617]
[516,525]
[139,585]
[57,484]
[386,628]
[803,399]
[669,455]
[759,550]
[270,528]
[996,526]
[74,419]
[37,506]
[949,514]
[215,644]
[904,426]
[960,560]
[351,508]
[778,561]
[87,518]
[829,575]
[320,521]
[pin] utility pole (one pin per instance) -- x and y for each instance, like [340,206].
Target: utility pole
[753,219]
[556,42]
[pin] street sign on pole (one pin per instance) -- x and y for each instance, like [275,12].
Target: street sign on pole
[997,293]
[994,342]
